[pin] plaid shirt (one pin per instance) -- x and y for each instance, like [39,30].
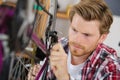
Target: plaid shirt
[103,64]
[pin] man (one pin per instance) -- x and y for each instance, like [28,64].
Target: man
[86,57]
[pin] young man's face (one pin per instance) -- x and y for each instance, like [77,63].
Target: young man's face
[84,36]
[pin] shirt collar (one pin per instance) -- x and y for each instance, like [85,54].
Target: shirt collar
[99,53]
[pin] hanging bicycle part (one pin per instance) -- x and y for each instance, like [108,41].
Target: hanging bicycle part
[15,24]
[23,19]
[21,34]
[51,38]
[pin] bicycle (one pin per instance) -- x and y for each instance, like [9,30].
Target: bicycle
[26,40]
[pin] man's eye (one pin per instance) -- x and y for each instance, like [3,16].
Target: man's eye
[74,30]
[86,34]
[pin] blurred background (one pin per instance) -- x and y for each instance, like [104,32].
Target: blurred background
[62,22]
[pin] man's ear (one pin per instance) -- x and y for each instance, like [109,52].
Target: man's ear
[103,37]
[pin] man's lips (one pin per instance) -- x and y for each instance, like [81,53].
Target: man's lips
[76,47]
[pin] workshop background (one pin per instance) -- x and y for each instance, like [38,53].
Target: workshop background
[62,22]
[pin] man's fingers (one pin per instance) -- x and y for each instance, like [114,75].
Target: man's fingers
[61,47]
[55,57]
[33,72]
[58,47]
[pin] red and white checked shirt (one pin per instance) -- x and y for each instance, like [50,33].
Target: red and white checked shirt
[102,64]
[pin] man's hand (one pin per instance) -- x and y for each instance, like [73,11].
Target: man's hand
[58,62]
[33,72]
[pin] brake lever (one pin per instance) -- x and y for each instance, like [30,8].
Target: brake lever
[52,39]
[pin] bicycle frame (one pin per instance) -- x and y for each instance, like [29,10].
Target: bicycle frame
[27,16]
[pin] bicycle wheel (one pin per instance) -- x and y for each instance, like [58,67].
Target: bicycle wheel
[19,64]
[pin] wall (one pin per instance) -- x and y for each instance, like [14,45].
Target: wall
[113,38]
